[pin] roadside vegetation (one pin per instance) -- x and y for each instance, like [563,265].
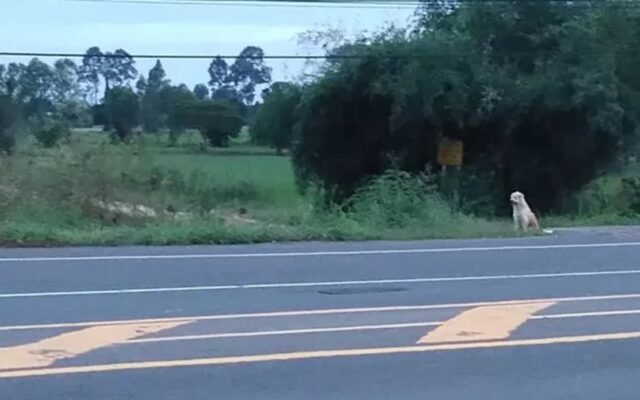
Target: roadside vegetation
[544,95]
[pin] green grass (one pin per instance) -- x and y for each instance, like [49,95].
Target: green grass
[239,194]
[44,234]
[46,197]
[271,176]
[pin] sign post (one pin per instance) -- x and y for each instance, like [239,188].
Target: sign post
[450,154]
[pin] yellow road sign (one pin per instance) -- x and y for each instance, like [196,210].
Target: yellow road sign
[450,152]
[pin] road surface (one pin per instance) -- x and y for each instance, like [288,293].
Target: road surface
[554,317]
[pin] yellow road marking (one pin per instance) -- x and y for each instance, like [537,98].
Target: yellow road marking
[285,332]
[484,323]
[315,354]
[45,352]
[314,312]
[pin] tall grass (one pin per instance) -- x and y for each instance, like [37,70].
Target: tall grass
[47,197]
[259,179]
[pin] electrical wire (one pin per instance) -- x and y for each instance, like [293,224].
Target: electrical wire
[626,49]
[410,5]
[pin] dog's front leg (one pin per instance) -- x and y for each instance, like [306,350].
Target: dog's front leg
[516,224]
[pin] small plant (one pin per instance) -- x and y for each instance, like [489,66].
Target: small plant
[49,130]
[631,187]
[398,199]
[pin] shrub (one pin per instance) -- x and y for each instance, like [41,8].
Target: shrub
[217,120]
[398,199]
[49,129]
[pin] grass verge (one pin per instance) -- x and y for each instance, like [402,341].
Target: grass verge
[62,196]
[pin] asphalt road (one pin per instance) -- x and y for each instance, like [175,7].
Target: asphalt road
[529,318]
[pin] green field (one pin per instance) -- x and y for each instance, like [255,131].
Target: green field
[271,176]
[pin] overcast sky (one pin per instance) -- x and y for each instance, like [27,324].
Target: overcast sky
[73,26]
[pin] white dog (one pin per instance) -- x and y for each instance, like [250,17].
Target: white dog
[523,217]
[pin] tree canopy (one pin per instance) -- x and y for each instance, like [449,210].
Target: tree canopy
[541,93]
[240,80]
[275,118]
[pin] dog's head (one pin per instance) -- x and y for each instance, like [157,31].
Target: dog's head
[517,198]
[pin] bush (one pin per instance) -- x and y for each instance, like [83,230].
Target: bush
[395,205]
[77,113]
[609,196]
[49,129]
[217,120]
[398,199]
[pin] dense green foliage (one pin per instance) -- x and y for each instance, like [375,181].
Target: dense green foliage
[122,110]
[239,80]
[274,121]
[151,101]
[49,129]
[7,118]
[217,120]
[542,94]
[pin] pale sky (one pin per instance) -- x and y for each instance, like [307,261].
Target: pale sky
[72,26]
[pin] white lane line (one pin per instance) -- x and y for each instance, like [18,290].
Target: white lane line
[327,311]
[319,253]
[284,285]
[285,332]
[587,314]
[362,327]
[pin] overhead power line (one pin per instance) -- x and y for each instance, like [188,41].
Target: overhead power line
[297,56]
[401,4]
[169,56]
[412,4]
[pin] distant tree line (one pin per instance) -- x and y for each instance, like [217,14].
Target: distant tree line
[49,100]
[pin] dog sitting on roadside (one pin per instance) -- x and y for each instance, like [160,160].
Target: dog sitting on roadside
[523,217]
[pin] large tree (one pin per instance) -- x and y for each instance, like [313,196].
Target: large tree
[248,72]
[122,110]
[275,118]
[152,115]
[66,86]
[175,100]
[91,70]
[220,81]
[201,91]
[217,121]
[36,87]
[114,69]
[240,80]
[541,93]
